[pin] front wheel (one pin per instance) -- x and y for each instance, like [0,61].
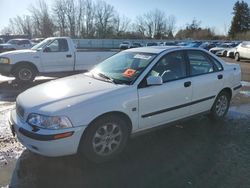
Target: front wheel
[220,106]
[104,138]
[24,73]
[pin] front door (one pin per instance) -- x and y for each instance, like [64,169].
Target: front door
[169,101]
[56,57]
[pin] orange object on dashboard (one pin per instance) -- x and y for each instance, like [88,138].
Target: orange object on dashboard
[129,73]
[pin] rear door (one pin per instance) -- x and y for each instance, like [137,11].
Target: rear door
[56,57]
[207,80]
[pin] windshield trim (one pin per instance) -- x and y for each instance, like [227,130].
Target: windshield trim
[41,44]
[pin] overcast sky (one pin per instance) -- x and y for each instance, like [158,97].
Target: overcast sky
[212,13]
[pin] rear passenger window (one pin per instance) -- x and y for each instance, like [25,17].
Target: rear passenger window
[199,63]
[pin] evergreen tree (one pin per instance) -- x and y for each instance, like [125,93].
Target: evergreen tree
[241,19]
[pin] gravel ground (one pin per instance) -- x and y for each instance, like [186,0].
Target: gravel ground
[10,148]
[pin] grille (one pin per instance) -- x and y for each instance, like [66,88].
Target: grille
[20,110]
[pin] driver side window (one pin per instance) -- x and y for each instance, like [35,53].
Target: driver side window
[170,67]
[58,45]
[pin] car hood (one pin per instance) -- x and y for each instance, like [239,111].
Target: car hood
[17,52]
[62,93]
[6,45]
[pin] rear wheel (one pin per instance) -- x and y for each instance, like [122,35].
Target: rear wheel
[25,73]
[104,138]
[220,106]
[237,56]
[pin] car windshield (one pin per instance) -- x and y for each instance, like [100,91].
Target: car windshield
[41,44]
[12,42]
[224,46]
[122,68]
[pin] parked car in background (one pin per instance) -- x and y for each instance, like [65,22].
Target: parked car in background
[152,44]
[221,49]
[15,44]
[133,91]
[125,45]
[136,45]
[170,43]
[207,45]
[53,56]
[242,51]
[194,44]
[231,51]
[1,41]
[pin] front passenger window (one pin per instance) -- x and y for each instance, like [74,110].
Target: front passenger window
[170,67]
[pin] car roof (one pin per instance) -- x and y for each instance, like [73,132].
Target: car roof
[153,49]
[19,39]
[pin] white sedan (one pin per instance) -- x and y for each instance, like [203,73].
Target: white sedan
[135,90]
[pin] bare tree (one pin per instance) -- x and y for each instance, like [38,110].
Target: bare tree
[104,18]
[155,24]
[121,25]
[59,10]
[89,18]
[71,16]
[139,26]
[170,26]
[42,21]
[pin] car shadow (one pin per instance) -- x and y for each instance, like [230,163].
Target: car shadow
[188,155]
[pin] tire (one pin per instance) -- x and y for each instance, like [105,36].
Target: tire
[220,106]
[237,57]
[104,139]
[225,54]
[25,73]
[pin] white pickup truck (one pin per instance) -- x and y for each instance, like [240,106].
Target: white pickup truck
[52,56]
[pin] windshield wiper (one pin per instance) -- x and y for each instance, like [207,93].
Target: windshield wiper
[106,77]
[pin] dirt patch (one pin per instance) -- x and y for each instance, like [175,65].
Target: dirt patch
[10,147]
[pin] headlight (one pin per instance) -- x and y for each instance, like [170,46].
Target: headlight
[4,60]
[49,122]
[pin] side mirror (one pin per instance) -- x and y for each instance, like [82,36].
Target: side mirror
[154,80]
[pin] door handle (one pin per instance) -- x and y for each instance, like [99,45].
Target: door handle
[187,84]
[69,55]
[220,76]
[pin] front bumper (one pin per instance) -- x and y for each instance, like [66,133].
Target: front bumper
[43,141]
[5,69]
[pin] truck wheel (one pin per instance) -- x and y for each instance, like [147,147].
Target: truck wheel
[220,106]
[104,139]
[25,73]
[237,57]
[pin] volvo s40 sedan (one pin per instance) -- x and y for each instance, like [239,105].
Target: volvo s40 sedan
[137,89]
